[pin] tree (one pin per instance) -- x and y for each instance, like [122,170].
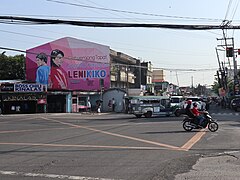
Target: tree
[215,86]
[200,90]
[12,67]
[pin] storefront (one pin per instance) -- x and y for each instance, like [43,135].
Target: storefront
[84,101]
[59,102]
[22,98]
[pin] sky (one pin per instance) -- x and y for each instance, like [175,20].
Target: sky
[188,57]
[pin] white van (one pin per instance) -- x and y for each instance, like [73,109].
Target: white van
[176,101]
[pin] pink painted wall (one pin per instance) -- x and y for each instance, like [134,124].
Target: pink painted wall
[84,63]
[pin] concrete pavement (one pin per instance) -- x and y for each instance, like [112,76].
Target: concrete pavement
[224,166]
[220,166]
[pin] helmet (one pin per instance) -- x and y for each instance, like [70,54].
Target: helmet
[189,102]
[195,104]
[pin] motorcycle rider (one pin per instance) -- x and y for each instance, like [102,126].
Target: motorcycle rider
[197,113]
[193,113]
[188,110]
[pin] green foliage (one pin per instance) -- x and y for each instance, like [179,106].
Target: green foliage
[215,87]
[12,67]
[200,90]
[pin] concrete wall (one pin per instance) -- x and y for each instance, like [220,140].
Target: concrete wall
[118,95]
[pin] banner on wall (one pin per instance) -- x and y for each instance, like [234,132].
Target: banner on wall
[69,64]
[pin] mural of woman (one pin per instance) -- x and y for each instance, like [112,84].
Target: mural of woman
[58,77]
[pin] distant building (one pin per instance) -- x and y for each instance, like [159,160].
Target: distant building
[146,77]
[158,75]
[125,71]
[160,85]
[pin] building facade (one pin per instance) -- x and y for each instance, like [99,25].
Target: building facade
[77,72]
[146,77]
[125,71]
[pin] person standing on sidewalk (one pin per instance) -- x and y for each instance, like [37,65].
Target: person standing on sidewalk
[89,106]
[113,104]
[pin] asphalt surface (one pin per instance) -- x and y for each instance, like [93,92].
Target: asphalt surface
[112,146]
[220,166]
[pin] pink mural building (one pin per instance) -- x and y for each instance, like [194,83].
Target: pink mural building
[71,64]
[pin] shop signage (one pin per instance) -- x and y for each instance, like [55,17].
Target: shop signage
[29,88]
[42,101]
[7,87]
[22,97]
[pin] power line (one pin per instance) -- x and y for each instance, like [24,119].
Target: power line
[108,18]
[188,70]
[116,25]
[123,16]
[154,50]
[228,8]
[132,12]
[76,58]
[23,34]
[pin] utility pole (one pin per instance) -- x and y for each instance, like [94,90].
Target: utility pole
[236,82]
[192,81]
[192,84]
[230,54]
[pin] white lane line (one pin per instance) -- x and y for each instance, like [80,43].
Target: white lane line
[14,173]
[225,114]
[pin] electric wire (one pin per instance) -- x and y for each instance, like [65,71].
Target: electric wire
[116,25]
[132,12]
[123,16]
[127,65]
[228,8]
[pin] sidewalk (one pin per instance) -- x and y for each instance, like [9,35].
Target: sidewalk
[223,166]
[220,166]
[214,108]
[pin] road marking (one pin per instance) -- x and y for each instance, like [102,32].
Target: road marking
[185,147]
[17,120]
[188,145]
[33,130]
[226,114]
[118,135]
[82,146]
[14,173]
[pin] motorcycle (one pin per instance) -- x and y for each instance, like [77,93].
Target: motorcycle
[192,123]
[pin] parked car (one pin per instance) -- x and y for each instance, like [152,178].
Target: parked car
[235,104]
[176,101]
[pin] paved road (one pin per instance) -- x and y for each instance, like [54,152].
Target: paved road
[224,164]
[112,146]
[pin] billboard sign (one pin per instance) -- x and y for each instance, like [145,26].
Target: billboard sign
[69,64]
